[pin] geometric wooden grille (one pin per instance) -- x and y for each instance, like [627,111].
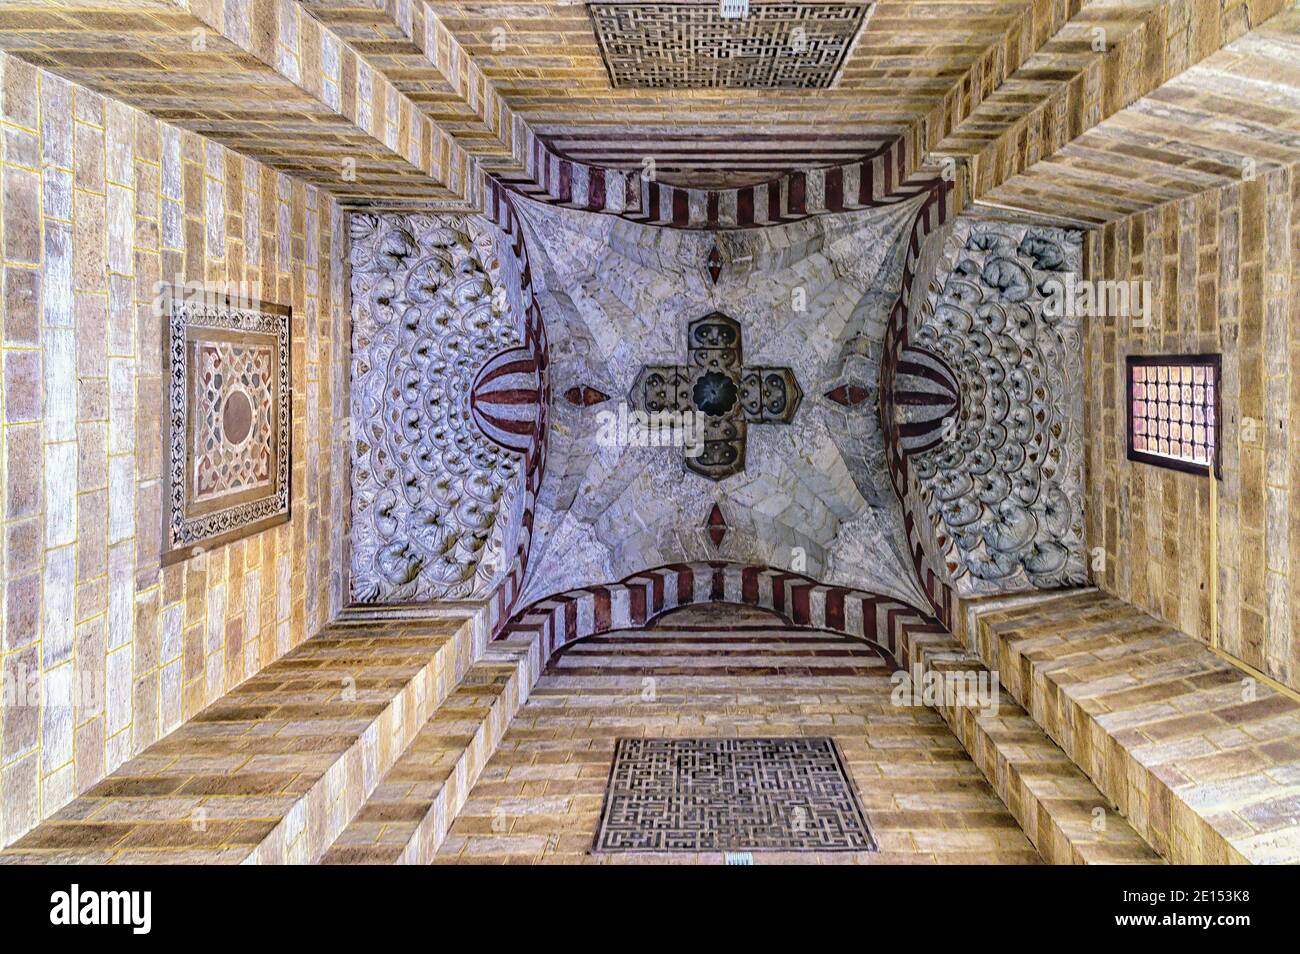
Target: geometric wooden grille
[731,794]
[693,46]
[1173,411]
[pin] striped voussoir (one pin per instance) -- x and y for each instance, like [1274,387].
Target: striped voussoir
[523,432]
[881,178]
[926,397]
[635,601]
[940,206]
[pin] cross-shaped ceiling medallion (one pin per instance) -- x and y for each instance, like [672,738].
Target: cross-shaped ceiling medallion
[716,386]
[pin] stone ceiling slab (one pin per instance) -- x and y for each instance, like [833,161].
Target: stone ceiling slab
[1149,122]
[265,79]
[544,59]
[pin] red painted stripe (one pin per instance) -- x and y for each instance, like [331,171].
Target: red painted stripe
[778,592]
[566,181]
[636,594]
[797,194]
[745,206]
[835,608]
[510,396]
[602,610]
[517,366]
[835,189]
[800,611]
[681,207]
[685,585]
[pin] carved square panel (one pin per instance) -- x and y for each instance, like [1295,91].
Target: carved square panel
[694,46]
[227,430]
[725,794]
[717,389]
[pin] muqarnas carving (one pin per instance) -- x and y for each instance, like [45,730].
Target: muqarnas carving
[227,431]
[1004,484]
[436,504]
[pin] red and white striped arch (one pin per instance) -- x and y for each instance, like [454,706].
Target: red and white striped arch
[940,206]
[510,401]
[635,601]
[881,178]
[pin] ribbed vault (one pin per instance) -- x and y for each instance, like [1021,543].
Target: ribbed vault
[811,296]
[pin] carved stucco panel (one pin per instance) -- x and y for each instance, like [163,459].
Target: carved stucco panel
[436,505]
[1004,485]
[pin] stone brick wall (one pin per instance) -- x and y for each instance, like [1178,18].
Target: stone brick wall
[98,204]
[1225,275]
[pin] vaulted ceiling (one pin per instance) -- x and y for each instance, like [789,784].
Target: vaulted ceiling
[811,492]
[1064,112]
[1057,108]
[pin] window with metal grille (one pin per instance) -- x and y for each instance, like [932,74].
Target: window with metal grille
[1173,411]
